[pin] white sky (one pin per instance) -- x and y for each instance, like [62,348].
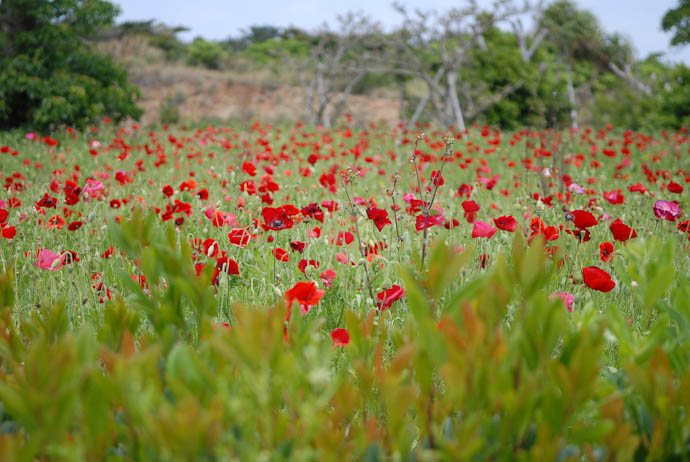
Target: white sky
[219,19]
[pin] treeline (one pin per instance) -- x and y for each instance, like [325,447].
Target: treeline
[452,68]
[460,66]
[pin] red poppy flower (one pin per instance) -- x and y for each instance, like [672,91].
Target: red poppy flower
[211,248]
[388,296]
[606,251]
[614,197]
[280,254]
[471,208]
[306,294]
[276,218]
[75,225]
[168,190]
[313,211]
[378,216]
[597,279]
[327,278]
[582,235]
[47,202]
[483,229]
[506,223]
[638,188]
[431,220]
[302,265]
[249,168]
[239,237]
[344,237]
[621,232]
[581,219]
[674,187]
[115,204]
[8,232]
[297,246]
[340,337]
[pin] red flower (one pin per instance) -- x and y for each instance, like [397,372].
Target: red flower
[249,168]
[306,294]
[506,223]
[327,278]
[674,187]
[313,211]
[340,337]
[115,204]
[276,218]
[597,279]
[302,265]
[75,225]
[168,190]
[621,232]
[388,296]
[614,197]
[47,202]
[239,237]
[378,216]
[581,218]
[297,246]
[429,221]
[280,254]
[606,251]
[471,208]
[483,229]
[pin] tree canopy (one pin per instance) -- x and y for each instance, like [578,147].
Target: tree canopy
[49,75]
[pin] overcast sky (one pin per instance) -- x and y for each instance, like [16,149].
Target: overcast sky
[219,19]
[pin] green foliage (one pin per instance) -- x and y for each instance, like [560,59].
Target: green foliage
[205,53]
[455,382]
[677,20]
[49,76]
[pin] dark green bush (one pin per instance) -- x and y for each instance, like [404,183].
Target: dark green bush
[49,75]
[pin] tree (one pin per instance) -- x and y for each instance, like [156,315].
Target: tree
[678,20]
[577,35]
[49,74]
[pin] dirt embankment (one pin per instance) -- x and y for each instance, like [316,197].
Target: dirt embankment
[215,95]
[239,94]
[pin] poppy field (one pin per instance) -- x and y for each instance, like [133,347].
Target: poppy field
[299,293]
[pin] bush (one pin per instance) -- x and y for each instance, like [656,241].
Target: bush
[204,53]
[49,76]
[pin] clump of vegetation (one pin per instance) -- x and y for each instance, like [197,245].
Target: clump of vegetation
[49,76]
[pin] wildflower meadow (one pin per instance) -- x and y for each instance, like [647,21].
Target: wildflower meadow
[295,292]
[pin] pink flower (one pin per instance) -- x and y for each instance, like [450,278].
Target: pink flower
[566,297]
[576,188]
[31,136]
[666,210]
[327,278]
[49,260]
[483,229]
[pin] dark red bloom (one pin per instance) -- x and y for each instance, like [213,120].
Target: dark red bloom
[388,296]
[276,218]
[428,222]
[674,187]
[306,294]
[597,279]
[471,208]
[75,225]
[302,265]
[47,202]
[340,337]
[280,254]
[168,190]
[606,251]
[506,223]
[313,211]
[239,237]
[378,216]
[621,232]
[581,218]
[297,246]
